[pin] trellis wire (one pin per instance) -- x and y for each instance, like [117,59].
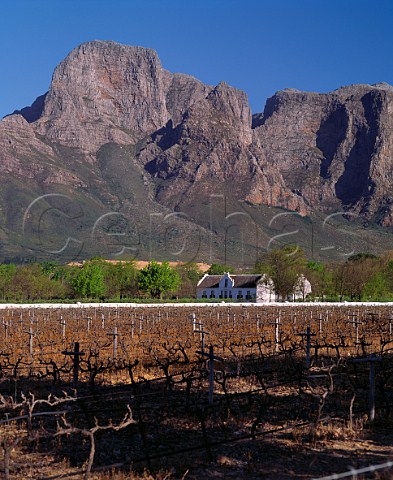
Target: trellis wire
[359,471]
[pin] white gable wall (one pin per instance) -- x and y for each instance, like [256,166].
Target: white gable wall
[265,291]
[246,294]
[226,289]
[226,282]
[302,288]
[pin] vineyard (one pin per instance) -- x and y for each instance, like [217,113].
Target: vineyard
[195,390]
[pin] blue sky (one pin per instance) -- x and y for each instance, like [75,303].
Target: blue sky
[259,46]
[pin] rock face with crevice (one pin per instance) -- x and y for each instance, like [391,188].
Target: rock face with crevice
[333,150]
[115,122]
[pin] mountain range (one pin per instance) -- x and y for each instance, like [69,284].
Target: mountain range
[122,158]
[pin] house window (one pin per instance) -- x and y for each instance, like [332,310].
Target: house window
[226,283]
[248,296]
[212,295]
[230,294]
[204,294]
[221,295]
[240,294]
[225,294]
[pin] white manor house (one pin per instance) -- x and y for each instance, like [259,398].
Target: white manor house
[247,288]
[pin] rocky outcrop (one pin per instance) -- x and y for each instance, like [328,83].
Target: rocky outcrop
[23,154]
[18,143]
[211,152]
[104,92]
[107,92]
[34,112]
[334,150]
[183,91]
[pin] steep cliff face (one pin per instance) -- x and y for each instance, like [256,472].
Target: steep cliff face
[334,150]
[116,127]
[104,92]
[208,145]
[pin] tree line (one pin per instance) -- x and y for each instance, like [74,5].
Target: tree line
[363,277]
[95,279]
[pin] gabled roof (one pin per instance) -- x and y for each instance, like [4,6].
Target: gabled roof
[240,281]
[209,281]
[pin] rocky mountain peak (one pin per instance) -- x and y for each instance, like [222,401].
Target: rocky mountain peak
[232,104]
[103,91]
[383,86]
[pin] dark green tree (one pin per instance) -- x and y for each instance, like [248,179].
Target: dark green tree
[321,279]
[388,275]
[89,281]
[31,283]
[158,279]
[220,269]
[48,268]
[351,277]
[121,279]
[376,288]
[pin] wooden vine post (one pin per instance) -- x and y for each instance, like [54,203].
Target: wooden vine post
[276,324]
[76,354]
[371,394]
[114,335]
[308,336]
[211,358]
